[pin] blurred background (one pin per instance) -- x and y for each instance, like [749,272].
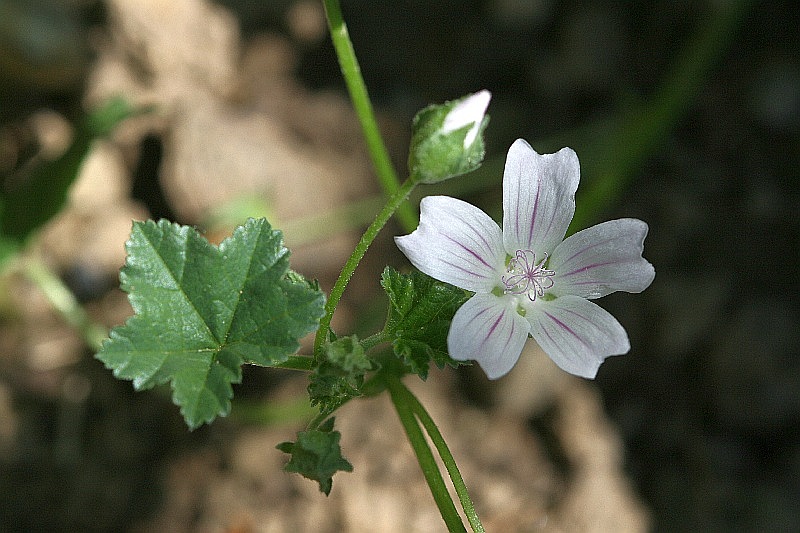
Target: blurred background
[683,114]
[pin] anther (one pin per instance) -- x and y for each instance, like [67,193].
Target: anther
[527,277]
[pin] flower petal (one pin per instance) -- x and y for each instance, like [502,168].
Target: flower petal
[602,259]
[470,110]
[488,329]
[576,333]
[456,243]
[538,197]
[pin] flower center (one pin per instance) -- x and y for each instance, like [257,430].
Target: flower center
[526,277]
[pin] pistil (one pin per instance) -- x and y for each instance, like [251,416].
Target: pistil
[525,276]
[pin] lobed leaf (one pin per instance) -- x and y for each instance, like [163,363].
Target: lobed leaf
[317,455]
[420,311]
[340,376]
[202,311]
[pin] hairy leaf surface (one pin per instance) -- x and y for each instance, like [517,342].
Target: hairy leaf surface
[202,311]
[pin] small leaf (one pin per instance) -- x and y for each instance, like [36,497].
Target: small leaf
[347,354]
[420,311]
[317,455]
[203,311]
[340,376]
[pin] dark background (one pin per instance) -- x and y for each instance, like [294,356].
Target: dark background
[708,400]
[684,114]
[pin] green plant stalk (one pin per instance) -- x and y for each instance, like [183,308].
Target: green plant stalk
[317,421]
[358,253]
[646,127]
[62,299]
[297,362]
[374,340]
[272,413]
[447,458]
[404,407]
[387,177]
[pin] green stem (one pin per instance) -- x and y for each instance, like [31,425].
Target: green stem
[350,266]
[447,458]
[317,420]
[387,177]
[274,412]
[374,340]
[62,299]
[404,406]
[297,362]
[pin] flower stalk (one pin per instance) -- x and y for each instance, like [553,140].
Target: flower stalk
[447,458]
[355,258]
[404,402]
[351,71]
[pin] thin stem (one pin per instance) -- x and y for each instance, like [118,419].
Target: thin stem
[317,420]
[274,412]
[297,362]
[400,398]
[374,340]
[647,127]
[351,264]
[62,299]
[387,177]
[447,459]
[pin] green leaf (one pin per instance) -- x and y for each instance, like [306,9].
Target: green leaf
[420,312]
[340,376]
[202,311]
[41,193]
[8,247]
[317,455]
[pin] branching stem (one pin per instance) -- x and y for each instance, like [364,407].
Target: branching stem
[403,402]
[350,266]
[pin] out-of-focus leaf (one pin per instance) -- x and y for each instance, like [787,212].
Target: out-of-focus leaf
[32,199]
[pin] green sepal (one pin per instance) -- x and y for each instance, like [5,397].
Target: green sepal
[436,154]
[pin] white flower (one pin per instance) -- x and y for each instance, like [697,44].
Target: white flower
[527,278]
[470,110]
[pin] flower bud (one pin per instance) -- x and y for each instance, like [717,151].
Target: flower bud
[447,139]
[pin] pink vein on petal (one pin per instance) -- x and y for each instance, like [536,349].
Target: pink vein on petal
[593,245]
[461,268]
[585,268]
[469,250]
[475,231]
[535,209]
[511,334]
[567,328]
[494,327]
